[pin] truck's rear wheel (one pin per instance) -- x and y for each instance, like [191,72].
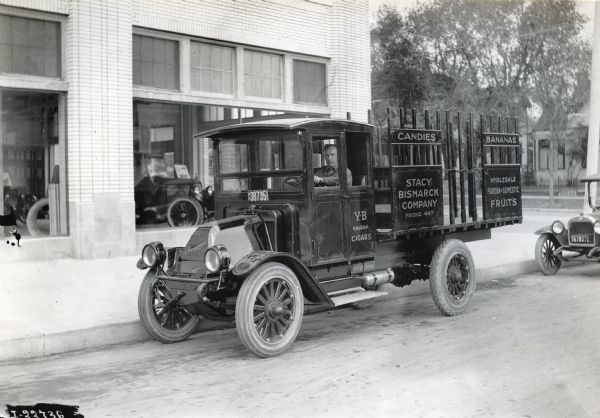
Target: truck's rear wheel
[452,277]
[269,310]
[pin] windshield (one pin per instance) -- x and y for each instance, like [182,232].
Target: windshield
[267,162]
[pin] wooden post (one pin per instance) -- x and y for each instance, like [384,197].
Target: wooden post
[483,164]
[438,147]
[448,166]
[452,175]
[461,175]
[470,165]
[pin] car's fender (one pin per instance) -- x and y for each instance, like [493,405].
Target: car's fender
[563,239]
[311,288]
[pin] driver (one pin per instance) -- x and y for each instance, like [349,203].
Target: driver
[328,174]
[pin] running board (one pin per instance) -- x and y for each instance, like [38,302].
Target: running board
[356,294]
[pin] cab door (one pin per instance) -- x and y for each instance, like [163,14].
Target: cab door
[358,195]
[328,232]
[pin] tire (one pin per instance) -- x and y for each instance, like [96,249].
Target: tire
[184,211]
[32,218]
[544,248]
[263,323]
[452,277]
[170,326]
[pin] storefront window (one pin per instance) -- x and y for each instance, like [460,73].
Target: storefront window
[32,162]
[29,46]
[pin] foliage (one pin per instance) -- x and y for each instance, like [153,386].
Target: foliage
[495,56]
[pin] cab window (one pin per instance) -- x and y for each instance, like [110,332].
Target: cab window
[357,158]
[326,162]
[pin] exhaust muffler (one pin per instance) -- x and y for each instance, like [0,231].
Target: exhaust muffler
[377,278]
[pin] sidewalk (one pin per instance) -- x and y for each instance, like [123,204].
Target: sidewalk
[65,305]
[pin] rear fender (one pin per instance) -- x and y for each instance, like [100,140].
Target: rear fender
[562,239]
[311,288]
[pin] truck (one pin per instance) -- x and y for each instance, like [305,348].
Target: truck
[314,211]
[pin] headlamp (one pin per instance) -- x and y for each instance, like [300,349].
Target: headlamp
[217,258]
[558,227]
[597,227]
[153,254]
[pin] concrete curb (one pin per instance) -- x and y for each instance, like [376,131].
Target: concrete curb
[44,345]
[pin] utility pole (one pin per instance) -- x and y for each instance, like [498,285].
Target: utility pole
[594,122]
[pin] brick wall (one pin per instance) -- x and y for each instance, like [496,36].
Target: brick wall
[99,123]
[100,128]
[54,6]
[293,25]
[350,69]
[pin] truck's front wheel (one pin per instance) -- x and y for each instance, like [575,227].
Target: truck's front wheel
[269,310]
[452,277]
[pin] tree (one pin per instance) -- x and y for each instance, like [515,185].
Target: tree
[473,53]
[400,71]
[502,57]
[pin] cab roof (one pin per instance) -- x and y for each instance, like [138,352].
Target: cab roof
[291,123]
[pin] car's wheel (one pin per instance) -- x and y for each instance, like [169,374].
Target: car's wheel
[269,310]
[184,211]
[37,218]
[166,322]
[452,277]
[546,261]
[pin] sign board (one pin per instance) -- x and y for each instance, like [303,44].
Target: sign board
[502,192]
[181,171]
[360,219]
[416,136]
[419,198]
[497,139]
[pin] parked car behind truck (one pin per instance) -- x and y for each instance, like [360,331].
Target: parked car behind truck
[280,240]
[578,240]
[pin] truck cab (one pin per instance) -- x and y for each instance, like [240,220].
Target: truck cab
[273,167]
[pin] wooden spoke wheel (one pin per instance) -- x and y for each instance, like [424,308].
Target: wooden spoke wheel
[160,312]
[269,310]
[184,211]
[547,262]
[452,277]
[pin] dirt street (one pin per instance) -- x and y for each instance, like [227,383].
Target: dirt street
[528,347]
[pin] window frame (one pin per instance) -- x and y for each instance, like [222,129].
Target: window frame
[282,73]
[323,62]
[234,75]
[178,70]
[46,17]
[544,144]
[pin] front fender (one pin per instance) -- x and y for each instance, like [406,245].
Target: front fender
[141,265]
[311,288]
[563,239]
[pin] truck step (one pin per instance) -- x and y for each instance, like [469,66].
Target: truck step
[354,295]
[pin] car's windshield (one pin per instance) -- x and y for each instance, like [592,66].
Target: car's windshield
[266,162]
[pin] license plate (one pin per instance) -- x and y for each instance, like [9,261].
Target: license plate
[581,239]
[258,195]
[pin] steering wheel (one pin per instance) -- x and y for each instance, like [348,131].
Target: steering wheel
[294,181]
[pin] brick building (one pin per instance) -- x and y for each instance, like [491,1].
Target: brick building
[91,90]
